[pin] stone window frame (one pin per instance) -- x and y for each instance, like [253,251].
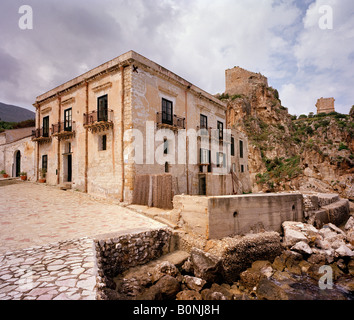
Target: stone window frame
[203,121]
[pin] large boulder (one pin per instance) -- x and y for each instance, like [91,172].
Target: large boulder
[291,237]
[302,247]
[237,254]
[206,265]
[344,251]
[166,288]
[297,231]
[250,278]
[162,269]
[336,213]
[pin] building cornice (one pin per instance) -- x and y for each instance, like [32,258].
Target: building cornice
[125,60]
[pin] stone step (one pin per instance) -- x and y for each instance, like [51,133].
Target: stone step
[337,213]
[325,199]
[166,221]
[65,186]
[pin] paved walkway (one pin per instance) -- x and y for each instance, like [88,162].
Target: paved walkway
[46,236]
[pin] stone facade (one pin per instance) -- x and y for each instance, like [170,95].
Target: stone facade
[17,152]
[150,125]
[325,105]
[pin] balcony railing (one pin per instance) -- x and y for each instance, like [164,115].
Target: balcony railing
[175,122]
[61,127]
[101,116]
[64,130]
[42,134]
[98,120]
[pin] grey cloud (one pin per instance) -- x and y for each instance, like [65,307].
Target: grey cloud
[197,39]
[9,68]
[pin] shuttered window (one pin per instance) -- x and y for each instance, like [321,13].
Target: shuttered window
[46,126]
[102,108]
[167,111]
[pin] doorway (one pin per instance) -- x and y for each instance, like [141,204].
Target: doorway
[202,185]
[67,161]
[70,163]
[17,163]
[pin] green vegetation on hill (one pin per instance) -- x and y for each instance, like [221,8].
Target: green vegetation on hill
[280,169]
[16,125]
[312,133]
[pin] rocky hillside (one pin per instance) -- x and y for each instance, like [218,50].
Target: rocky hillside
[312,153]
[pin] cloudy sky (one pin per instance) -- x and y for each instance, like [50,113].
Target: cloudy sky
[287,41]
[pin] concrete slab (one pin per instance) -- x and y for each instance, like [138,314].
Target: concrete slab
[223,216]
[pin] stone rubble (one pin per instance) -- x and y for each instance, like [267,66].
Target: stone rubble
[293,274]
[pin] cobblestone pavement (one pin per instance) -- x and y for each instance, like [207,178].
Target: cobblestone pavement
[46,249]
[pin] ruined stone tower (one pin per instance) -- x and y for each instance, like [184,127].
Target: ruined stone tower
[241,81]
[325,105]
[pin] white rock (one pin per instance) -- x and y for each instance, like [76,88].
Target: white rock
[344,251]
[268,271]
[291,237]
[350,223]
[309,230]
[336,244]
[323,244]
[336,229]
[302,247]
[325,232]
[330,235]
[194,283]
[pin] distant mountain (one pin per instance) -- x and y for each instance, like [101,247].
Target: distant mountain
[10,113]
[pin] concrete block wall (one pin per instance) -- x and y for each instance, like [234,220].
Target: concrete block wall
[223,216]
[252,213]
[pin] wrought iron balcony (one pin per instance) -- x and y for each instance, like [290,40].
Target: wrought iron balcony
[98,121]
[64,130]
[41,135]
[168,121]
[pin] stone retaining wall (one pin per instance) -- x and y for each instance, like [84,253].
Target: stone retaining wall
[117,253]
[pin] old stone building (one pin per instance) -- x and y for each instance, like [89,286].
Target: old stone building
[243,82]
[17,152]
[115,129]
[325,105]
